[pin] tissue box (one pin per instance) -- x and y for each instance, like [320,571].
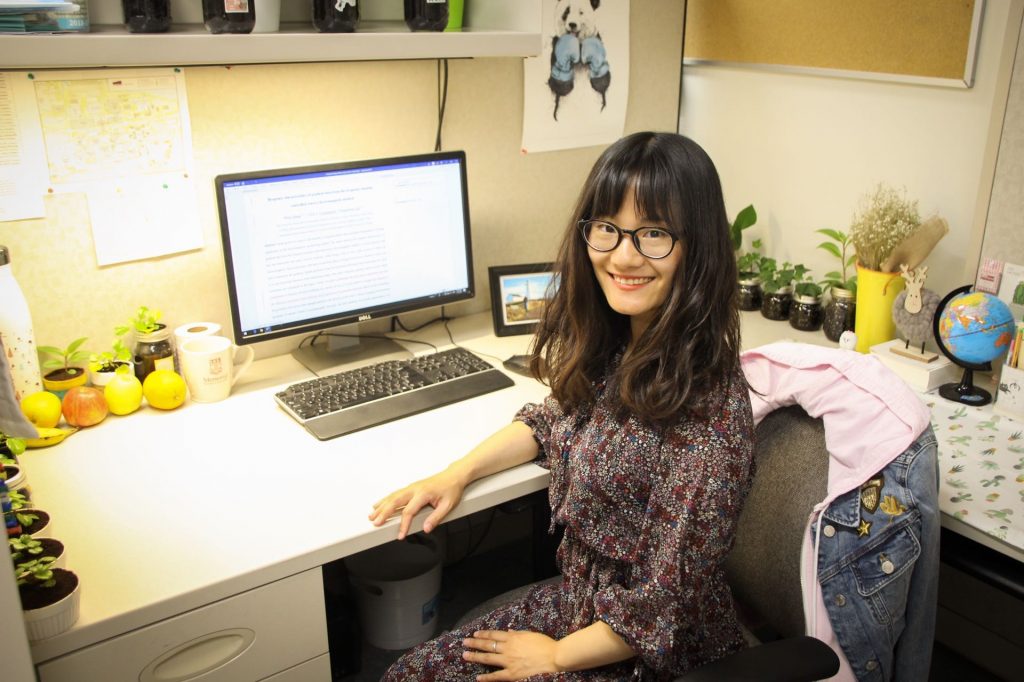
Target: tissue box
[1010,395]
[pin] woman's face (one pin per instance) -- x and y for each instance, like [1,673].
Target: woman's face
[634,284]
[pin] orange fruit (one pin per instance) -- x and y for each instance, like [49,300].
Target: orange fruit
[164,389]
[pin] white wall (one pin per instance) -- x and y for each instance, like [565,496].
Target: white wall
[804,149]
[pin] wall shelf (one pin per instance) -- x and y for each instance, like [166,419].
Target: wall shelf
[494,30]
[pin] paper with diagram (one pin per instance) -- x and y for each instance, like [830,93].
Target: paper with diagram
[123,138]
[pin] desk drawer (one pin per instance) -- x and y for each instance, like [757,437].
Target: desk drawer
[250,636]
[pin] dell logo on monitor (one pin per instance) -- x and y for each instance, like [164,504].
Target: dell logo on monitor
[364,318]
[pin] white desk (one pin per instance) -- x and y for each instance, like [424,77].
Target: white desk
[210,500]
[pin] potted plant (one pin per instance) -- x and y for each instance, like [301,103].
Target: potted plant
[886,218]
[33,521]
[749,267]
[49,597]
[806,313]
[10,448]
[840,284]
[153,348]
[25,548]
[778,287]
[102,366]
[65,373]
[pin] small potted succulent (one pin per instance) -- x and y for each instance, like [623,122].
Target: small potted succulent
[103,366]
[777,283]
[65,372]
[841,285]
[49,597]
[25,548]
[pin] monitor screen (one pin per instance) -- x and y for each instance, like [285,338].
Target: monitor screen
[320,246]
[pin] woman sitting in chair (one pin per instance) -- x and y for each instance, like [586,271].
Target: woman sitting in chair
[647,432]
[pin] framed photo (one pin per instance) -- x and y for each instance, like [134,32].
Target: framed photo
[519,294]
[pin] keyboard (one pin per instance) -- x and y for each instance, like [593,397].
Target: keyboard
[348,401]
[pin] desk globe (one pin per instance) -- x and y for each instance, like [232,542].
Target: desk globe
[972,328]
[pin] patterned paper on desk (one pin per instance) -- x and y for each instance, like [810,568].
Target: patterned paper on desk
[981,468]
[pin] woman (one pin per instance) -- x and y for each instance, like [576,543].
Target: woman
[647,432]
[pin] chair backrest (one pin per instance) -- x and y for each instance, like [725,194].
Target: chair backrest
[763,568]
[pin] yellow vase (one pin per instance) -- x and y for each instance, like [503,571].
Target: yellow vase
[876,292]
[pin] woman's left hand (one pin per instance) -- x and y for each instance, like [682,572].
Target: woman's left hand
[518,654]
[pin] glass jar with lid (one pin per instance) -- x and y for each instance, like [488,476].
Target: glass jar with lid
[840,313]
[153,350]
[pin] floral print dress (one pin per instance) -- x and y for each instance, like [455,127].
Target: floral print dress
[649,515]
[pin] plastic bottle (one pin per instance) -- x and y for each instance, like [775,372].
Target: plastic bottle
[229,16]
[19,341]
[426,15]
[335,16]
[146,16]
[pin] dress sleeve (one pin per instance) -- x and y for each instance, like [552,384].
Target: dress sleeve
[542,418]
[675,604]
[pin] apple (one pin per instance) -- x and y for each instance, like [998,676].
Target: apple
[84,406]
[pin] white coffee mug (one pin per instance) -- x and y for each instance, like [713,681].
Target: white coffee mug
[208,364]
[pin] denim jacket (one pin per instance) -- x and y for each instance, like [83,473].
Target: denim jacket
[878,566]
[871,552]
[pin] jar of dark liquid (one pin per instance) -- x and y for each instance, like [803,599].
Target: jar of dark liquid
[426,15]
[229,16]
[335,16]
[153,351]
[146,16]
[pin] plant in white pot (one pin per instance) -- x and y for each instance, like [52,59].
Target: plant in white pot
[49,597]
[103,366]
[25,548]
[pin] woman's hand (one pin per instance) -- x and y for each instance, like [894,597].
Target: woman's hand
[441,491]
[518,654]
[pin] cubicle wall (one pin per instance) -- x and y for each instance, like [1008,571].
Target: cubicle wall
[277,115]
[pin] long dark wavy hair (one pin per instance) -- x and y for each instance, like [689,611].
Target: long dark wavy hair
[689,353]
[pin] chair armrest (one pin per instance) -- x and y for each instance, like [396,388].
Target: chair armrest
[797,659]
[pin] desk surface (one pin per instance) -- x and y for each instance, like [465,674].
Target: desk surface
[163,512]
[224,497]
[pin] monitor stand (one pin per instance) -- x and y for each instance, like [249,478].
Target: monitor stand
[348,352]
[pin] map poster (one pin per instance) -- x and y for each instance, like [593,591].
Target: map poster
[124,139]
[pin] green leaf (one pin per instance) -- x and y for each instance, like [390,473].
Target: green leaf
[833,275]
[831,248]
[834,234]
[744,219]
[75,345]
[52,350]
[52,363]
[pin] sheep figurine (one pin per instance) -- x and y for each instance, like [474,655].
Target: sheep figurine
[914,307]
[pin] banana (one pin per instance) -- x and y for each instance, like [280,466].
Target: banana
[48,437]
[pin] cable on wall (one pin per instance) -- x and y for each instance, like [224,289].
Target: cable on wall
[442,99]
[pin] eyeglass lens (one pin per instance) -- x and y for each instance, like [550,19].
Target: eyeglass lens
[653,242]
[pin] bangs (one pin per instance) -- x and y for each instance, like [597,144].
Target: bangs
[648,173]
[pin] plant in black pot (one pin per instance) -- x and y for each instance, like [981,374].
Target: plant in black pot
[749,266]
[153,349]
[777,283]
[49,597]
[806,313]
[841,285]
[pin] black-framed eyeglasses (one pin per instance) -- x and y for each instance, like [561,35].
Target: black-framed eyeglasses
[652,242]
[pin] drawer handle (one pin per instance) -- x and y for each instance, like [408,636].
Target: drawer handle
[198,656]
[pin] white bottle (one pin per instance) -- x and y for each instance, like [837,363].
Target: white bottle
[16,332]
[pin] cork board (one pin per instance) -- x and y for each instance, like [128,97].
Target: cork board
[930,42]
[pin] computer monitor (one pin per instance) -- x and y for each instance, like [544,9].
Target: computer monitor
[315,247]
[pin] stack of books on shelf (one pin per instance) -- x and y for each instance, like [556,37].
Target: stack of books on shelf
[920,375]
[43,16]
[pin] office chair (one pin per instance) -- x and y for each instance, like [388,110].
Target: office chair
[763,568]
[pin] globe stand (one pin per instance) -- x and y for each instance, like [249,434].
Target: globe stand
[966,392]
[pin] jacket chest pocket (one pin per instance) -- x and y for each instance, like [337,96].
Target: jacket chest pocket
[883,573]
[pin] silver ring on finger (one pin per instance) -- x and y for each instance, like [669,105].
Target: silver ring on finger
[494,646]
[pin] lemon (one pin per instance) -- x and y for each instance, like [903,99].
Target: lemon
[42,408]
[123,392]
[164,389]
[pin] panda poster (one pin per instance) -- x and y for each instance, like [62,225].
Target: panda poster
[576,90]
